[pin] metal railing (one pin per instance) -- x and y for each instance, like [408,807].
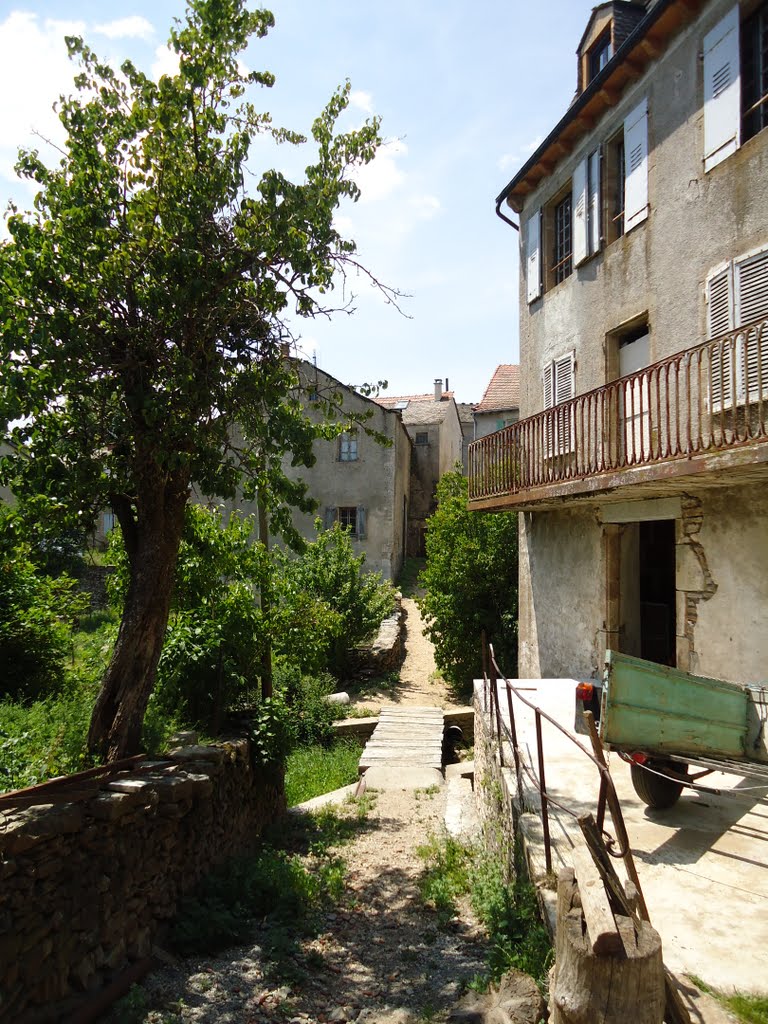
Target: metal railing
[704,399]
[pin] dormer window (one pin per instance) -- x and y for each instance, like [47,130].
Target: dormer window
[600,54]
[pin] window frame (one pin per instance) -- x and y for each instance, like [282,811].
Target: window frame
[562,237]
[421,438]
[346,517]
[754,95]
[349,446]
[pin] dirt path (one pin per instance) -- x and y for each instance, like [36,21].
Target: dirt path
[379,956]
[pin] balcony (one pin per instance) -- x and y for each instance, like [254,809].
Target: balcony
[698,417]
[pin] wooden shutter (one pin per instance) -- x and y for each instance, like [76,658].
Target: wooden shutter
[750,287]
[719,322]
[534,256]
[580,213]
[330,517]
[722,90]
[636,157]
[593,215]
[548,379]
[361,523]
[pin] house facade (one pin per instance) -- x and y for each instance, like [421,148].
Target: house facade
[433,425]
[356,481]
[639,465]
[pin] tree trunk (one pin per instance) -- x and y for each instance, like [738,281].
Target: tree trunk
[118,717]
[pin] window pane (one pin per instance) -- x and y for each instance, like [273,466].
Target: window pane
[563,243]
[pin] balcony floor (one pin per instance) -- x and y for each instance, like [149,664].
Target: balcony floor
[730,467]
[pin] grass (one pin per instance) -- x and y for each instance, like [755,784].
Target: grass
[408,581]
[314,770]
[509,911]
[748,1009]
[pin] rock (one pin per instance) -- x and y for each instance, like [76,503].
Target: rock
[515,1000]
[338,698]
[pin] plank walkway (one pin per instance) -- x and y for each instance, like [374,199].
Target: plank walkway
[410,737]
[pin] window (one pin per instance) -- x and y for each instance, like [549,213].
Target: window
[615,184]
[422,437]
[754,73]
[600,54]
[735,83]
[558,380]
[562,264]
[349,517]
[737,297]
[348,446]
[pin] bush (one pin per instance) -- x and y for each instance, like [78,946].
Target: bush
[36,617]
[471,584]
[310,714]
[329,572]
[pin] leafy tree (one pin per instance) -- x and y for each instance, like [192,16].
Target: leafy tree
[143,304]
[328,571]
[471,583]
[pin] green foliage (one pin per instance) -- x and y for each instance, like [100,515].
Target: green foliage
[446,876]
[37,613]
[144,304]
[216,634]
[314,770]
[311,715]
[748,1009]
[471,584]
[329,572]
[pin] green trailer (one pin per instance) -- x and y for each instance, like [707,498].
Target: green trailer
[666,722]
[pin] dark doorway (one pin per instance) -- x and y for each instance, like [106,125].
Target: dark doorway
[657,591]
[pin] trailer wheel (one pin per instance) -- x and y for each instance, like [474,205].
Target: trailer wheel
[656,791]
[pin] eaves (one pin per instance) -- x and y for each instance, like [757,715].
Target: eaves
[645,44]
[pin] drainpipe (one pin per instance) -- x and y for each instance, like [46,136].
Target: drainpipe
[503,216]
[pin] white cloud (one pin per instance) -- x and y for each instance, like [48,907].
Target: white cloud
[133,27]
[380,178]
[425,207]
[361,100]
[343,224]
[166,62]
[519,157]
[35,71]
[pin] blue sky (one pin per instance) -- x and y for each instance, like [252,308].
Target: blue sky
[465,92]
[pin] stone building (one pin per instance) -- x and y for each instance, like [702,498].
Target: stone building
[640,463]
[433,425]
[500,405]
[355,480]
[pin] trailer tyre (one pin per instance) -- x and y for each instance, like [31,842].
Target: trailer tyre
[654,790]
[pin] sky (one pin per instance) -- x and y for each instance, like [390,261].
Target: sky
[465,91]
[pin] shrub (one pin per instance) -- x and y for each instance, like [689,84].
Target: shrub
[471,584]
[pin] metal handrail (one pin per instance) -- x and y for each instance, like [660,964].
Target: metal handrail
[711,397]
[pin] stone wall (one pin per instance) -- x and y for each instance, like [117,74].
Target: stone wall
[386,652]
[88,883]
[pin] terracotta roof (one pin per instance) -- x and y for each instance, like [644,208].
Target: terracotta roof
[421,409]
[503,391]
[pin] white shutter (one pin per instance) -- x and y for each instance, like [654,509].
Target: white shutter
[750,287]
[580,213]
[722,90]
[719,322]
[534,256]
[593,214]
[330,516]
[564,378]
[636,158]
[563,392]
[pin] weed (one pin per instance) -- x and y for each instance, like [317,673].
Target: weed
[132,1007]
[446,876]
[749,1009]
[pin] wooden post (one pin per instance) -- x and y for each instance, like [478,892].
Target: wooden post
[626,984]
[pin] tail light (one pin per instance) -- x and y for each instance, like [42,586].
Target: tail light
[585,692]
[638,757]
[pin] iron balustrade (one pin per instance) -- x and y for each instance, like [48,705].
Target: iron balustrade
[704,399]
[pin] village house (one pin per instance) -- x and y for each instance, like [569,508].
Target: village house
[500,405]
[433,425]
[640,463]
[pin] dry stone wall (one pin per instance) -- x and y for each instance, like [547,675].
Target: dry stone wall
[88,883]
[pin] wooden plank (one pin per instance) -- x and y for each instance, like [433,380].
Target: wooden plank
[604,936]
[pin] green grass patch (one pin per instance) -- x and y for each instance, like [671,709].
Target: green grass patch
[408,581]
[314,770]
[748,1009]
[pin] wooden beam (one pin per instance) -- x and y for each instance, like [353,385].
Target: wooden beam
[650,48]
[604,936]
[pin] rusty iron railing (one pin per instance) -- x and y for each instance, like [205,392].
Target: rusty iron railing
[705,399]
[607,796]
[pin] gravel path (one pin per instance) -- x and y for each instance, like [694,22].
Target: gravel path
[379,956]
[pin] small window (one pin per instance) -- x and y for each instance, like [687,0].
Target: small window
[615,185]
[348,518]
[754,71]
[562,264]
[348,446]
[600,54]
[422,437]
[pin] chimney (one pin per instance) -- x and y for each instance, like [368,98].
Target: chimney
[438,389]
